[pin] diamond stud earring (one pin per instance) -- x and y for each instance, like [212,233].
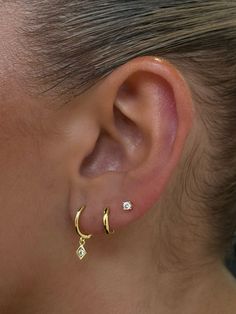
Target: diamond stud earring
[127,205]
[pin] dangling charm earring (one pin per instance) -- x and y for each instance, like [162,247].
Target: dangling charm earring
[81,252]
[106,221]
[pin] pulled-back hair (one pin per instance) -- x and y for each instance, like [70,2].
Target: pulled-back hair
[70,45]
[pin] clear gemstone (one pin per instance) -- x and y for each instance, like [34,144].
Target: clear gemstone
[81,252]
[127,205]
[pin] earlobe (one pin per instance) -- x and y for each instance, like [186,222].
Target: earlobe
[144,118]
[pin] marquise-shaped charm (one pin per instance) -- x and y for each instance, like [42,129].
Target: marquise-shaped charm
[81,252]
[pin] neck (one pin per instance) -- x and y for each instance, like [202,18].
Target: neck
[122,275]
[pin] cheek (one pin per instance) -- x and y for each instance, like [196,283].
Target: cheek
[32,192]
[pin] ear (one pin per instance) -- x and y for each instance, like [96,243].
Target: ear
[132,129]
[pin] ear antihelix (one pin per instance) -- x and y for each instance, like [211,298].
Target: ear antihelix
[127,128]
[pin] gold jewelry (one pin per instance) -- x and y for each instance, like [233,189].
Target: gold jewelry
[81,252]
[106,221]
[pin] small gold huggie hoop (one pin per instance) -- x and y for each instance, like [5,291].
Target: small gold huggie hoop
[81,252]
[106,221]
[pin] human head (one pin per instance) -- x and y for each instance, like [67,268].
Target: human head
[84,103]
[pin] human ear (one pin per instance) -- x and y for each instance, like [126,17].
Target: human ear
[127,141]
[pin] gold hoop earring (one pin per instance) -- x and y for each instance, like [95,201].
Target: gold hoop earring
[106,221]
[81,252]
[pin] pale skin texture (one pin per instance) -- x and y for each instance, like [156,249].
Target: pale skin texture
[44,179]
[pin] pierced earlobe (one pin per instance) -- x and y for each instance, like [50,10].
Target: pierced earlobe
[81,251]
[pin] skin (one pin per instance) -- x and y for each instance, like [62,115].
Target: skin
[146,114]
